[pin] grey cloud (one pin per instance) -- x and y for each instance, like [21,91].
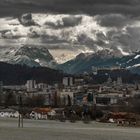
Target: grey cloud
[55,25]
[69,21]
[9,35]
[72,2]
[6,34]
[113,20]
[4,31]
[16,7]
[83,39]
[26,20]
[128,40]
[52,39]
[33,34]
[132,39]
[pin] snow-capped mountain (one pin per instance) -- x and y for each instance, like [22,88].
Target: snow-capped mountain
[105,58]
[28,55]
[32,55]
[84,62]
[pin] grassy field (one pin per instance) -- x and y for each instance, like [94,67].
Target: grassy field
[55,130]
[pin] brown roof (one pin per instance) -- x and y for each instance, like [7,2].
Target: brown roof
[42,110]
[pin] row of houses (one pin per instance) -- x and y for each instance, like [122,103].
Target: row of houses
[9,113]
[35,113]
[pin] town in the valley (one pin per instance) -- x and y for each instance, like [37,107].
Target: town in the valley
[75,98]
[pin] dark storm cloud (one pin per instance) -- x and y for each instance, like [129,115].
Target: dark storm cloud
[83,39]
[7,34]
[27,20]
[69,21]
[113,20]
[52,39]
[16,7]
[33,34]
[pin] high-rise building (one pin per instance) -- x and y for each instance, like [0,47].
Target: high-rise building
[68,81]
[31,85]
[95,70]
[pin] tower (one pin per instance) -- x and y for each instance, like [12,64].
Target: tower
[109,80]
[1,87]
[1,91]
[31,85]
[119,81]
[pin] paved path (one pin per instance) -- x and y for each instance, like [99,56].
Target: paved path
[55,130]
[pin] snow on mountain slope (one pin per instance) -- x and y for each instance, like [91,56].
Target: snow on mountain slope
[123,52]
[29,55]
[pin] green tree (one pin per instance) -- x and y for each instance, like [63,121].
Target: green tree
[10,99]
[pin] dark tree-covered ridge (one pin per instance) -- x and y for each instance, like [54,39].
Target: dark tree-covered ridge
[19,74]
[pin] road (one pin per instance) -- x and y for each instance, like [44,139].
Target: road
[55,130]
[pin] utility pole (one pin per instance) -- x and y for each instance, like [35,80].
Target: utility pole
[1,92]
[94,104]
[20,118]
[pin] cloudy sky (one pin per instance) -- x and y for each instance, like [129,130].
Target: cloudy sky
[15,7]
[69,27]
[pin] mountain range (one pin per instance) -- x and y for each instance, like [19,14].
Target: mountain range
[29,55]
[106,58]
[35,56]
